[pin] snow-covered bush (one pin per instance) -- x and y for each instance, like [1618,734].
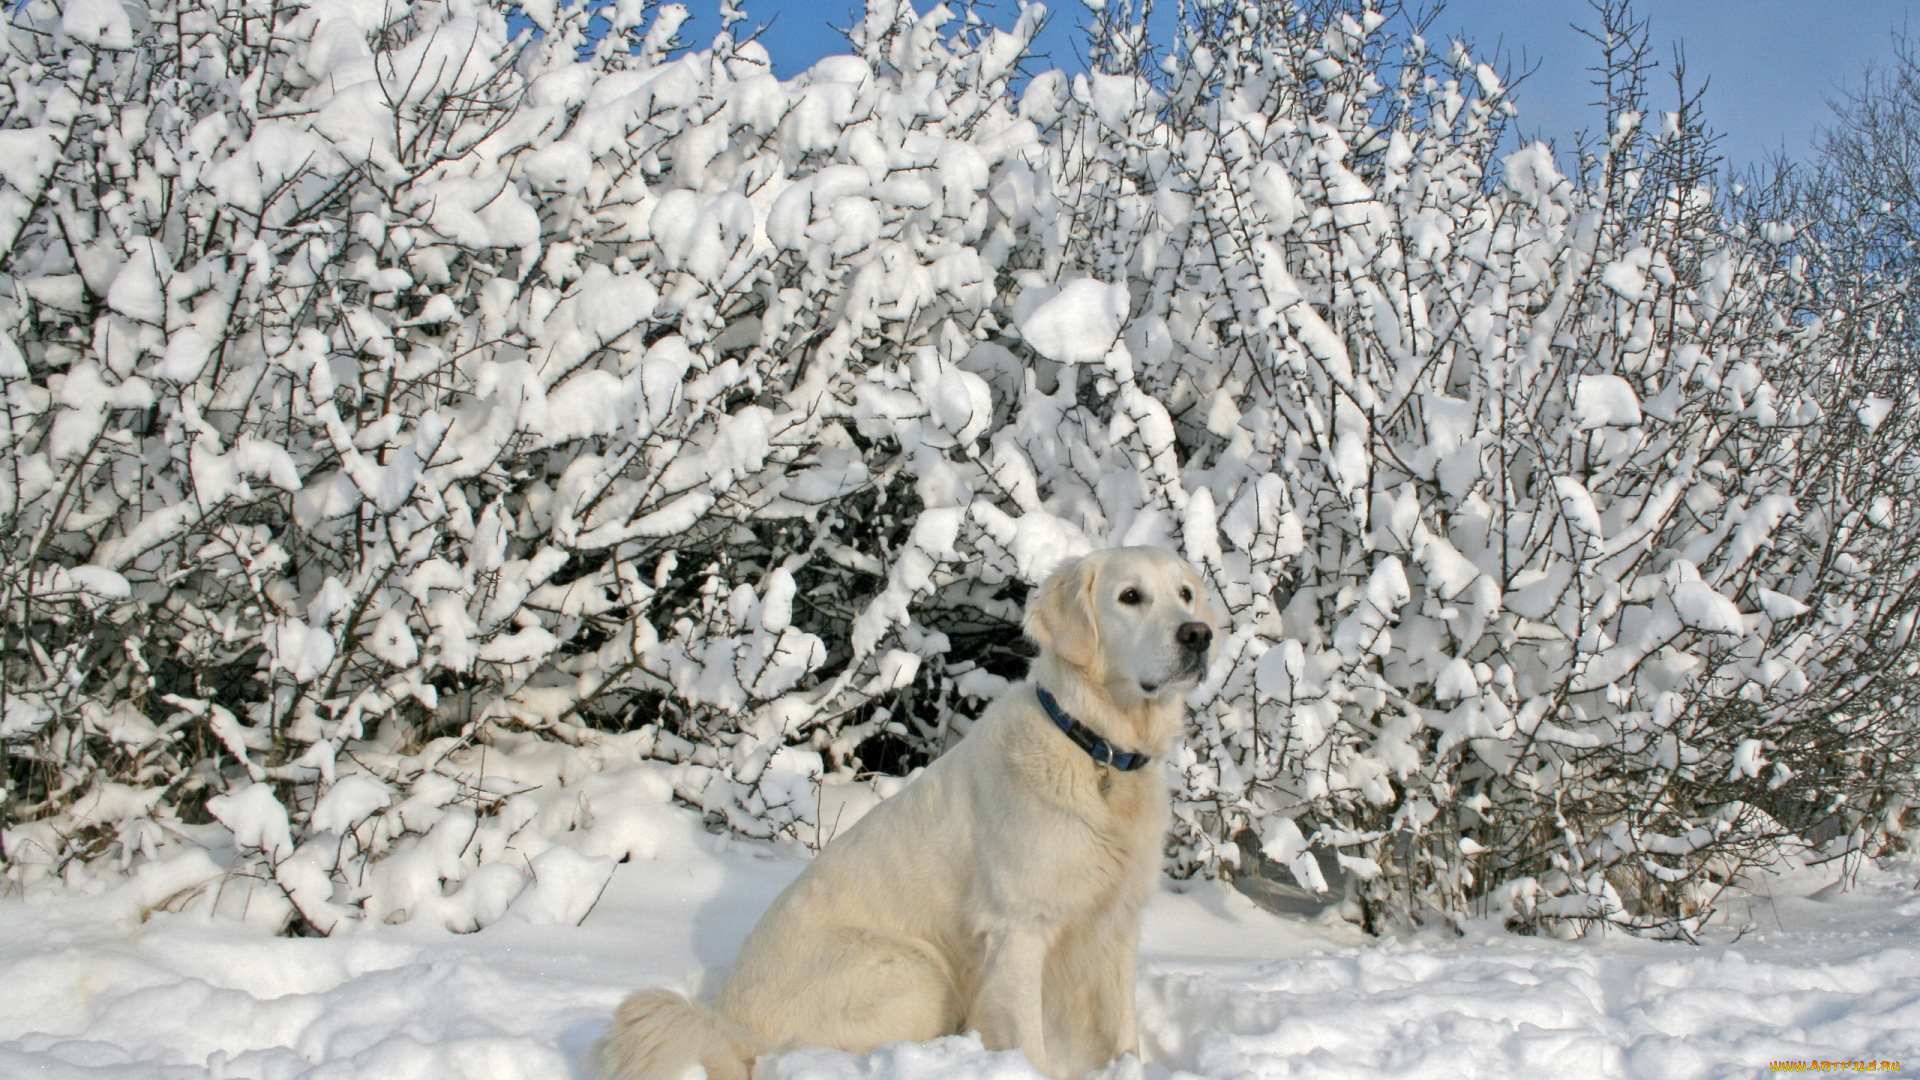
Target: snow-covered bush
[1586,599]
[393,402]
[1849,221]
[379,385]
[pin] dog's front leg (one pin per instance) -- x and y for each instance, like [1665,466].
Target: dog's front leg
[1089,992]
[1008,1011]
[1112,973]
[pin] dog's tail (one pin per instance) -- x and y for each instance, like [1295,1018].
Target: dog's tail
[660,1035]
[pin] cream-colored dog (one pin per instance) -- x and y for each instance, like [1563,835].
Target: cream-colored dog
[1001,891]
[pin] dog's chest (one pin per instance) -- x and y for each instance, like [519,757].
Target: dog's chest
[1126,817]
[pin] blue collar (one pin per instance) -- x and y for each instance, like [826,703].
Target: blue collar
[1096,747]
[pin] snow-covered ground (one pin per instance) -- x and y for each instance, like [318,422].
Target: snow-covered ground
[89,990]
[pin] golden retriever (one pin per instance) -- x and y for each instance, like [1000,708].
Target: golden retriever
[1000,892]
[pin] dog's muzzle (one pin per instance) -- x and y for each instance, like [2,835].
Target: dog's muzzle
[1194,639]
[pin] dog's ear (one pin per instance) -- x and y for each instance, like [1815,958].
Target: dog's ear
[1060,620]
[1209,614]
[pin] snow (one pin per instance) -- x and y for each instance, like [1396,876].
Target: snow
[1874,410]
[478,212]
[1747,759]
[139,289]
[98,22]
[26,156]
[97,580]
[1078,324]
[1284,844]
[256,819]
[113,985]
[960,402]
[23,716]
[1781,606]
[185,358]
[1605,401]
[13,363]
[530,643]
[1703,608]
[347,803]
[1628,275]
[566,885]
[302,651]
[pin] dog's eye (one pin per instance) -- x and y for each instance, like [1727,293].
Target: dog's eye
[1186,594]
[1130,596]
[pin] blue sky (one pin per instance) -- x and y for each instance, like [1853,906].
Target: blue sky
[1773,64]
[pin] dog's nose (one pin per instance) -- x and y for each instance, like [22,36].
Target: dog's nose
[1194,636]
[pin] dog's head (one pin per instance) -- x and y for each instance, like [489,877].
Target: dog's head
[1133,619]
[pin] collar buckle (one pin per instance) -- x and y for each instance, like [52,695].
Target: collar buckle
[1097,748]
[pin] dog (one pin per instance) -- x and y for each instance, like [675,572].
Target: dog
[1001,891]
